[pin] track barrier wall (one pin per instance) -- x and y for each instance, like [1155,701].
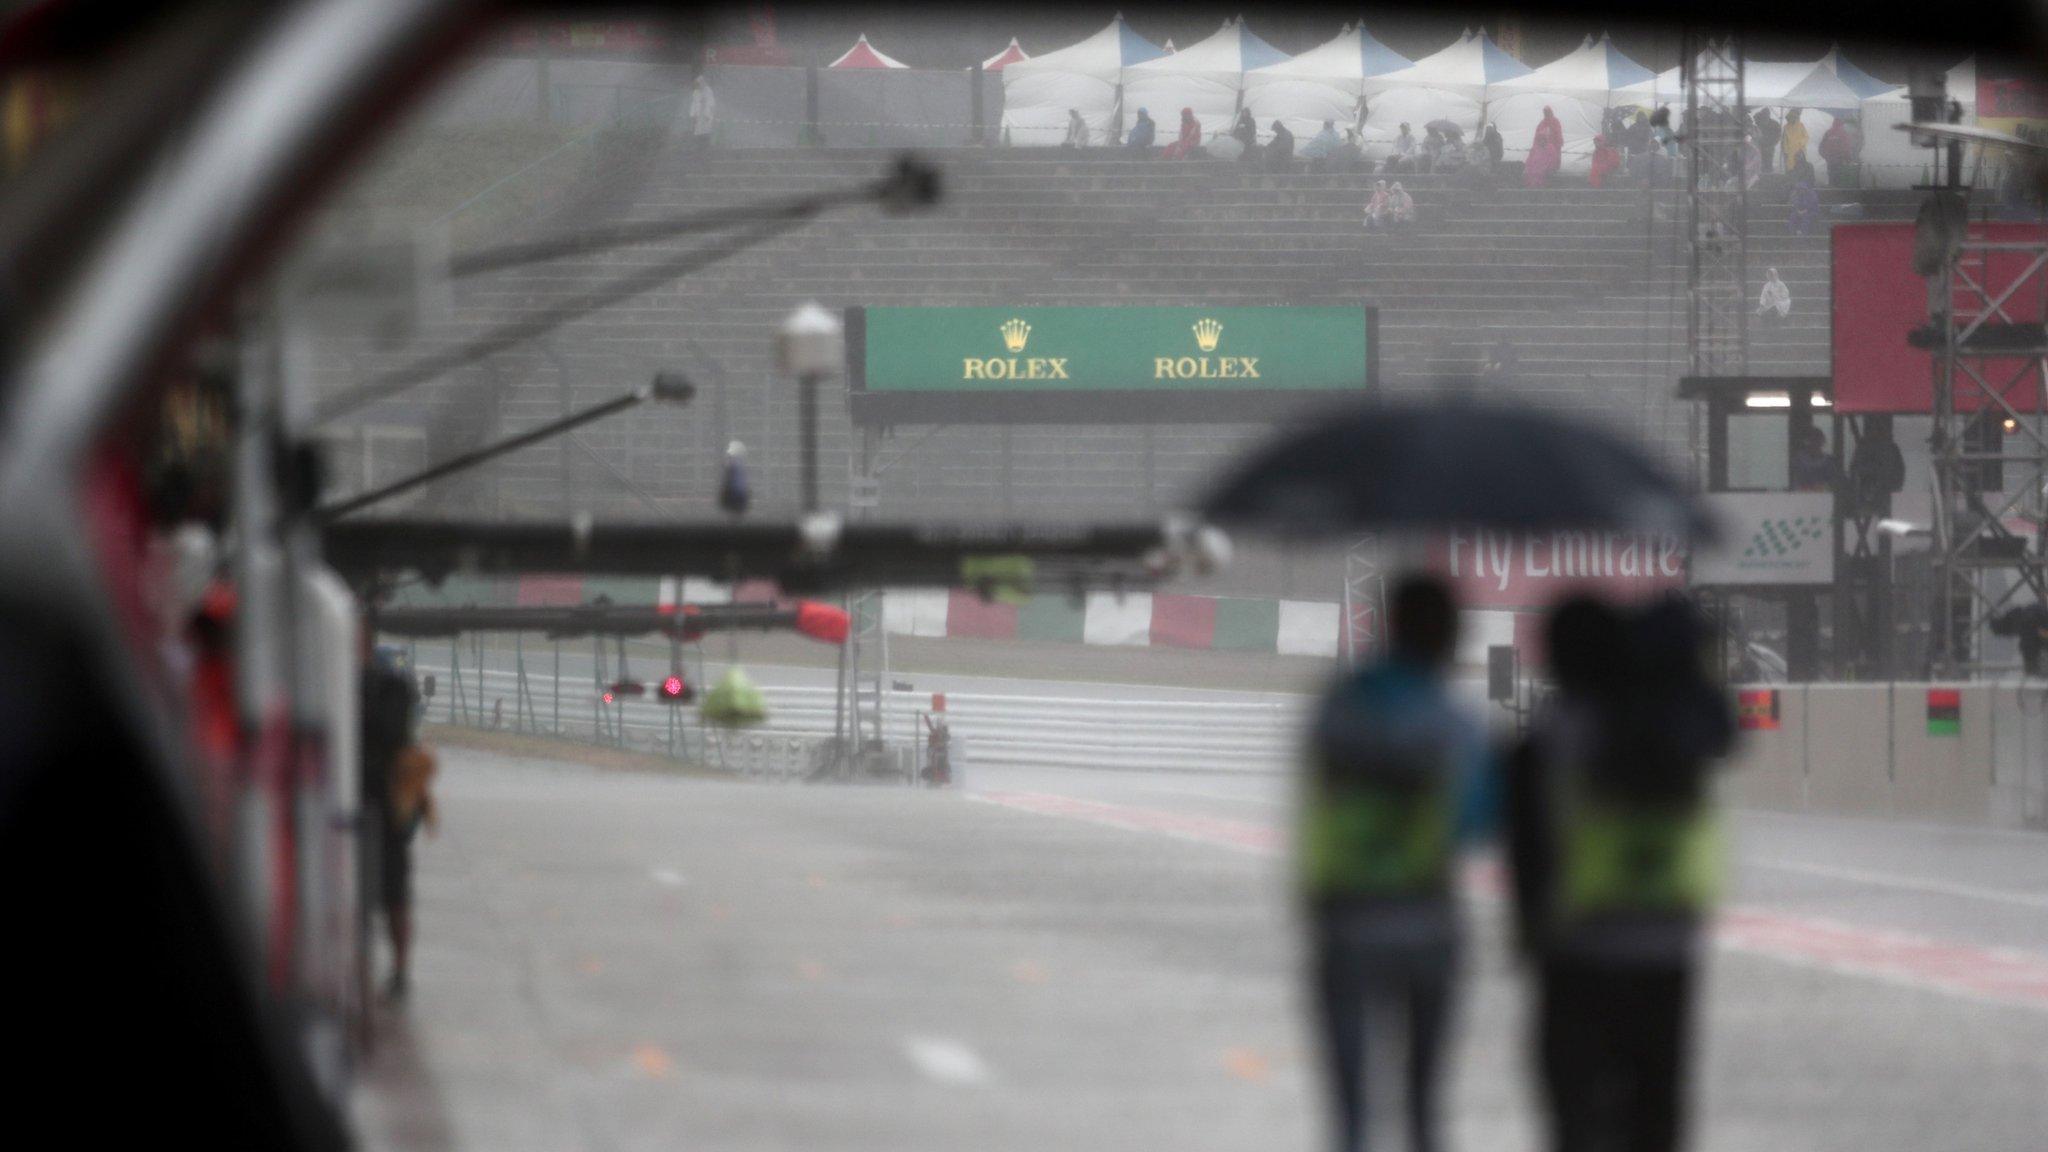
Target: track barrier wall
[1945,753]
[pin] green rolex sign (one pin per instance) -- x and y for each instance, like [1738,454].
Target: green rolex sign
[1054,365]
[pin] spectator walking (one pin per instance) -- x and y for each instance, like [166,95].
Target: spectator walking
[1139,138]
[1189,140]
[1400,776]
[1767,133]
[1280,150]
[703,112]
[1546,150]
[1614,850]
[1793,142]
[1606,158]
[1805,214]
[1774,302]
[1077,130]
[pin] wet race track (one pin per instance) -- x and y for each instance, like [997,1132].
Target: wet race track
[1064,959]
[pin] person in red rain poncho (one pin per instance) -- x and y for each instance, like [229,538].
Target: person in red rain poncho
[1190,137]
[1545,150]
[1606,158]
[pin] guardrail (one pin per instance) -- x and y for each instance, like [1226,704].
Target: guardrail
[988,729]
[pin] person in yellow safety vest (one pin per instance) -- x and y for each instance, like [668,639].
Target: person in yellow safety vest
[1615,852]
[1398,775]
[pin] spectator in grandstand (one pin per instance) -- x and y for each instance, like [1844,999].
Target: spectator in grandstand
[703,112]
[1801,172]
[1606,158]
[1432,149]
[1840,147]
[1280,150]
[1662,133]
[1077,130]
[1454,158]
[1139,138]
[1347,155]
[1493,145]
[1400,205]
[1635,139]
[1805,209]
[1190,138]
[1793,142]
[1767,133]
[1402,157]
[1379,209]
[1246,133]
[1546,149]
[1774,302]
[1752,161]
[1319,147]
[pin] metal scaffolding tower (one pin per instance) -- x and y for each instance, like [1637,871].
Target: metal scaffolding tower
[1717,284]
[1988,319]
[1365,598]
[864,660]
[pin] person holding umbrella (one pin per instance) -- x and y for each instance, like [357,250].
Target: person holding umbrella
[1399,777]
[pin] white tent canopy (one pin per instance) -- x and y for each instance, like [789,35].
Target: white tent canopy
[1084,77]
[1862,83]
[1324,83]
[1207,76]
[1890,159]
[1449,85]
[1578,87]
[1764,85]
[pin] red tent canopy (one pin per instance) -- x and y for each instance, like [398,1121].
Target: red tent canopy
[863,55]
[1010,55]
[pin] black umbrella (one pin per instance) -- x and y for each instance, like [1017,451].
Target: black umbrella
[1447,465]
[1445,128]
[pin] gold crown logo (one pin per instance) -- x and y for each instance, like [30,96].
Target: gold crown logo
[1015,334]
[1207,333]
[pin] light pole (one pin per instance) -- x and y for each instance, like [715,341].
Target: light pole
[811,347]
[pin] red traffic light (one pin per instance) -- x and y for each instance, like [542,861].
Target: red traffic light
[676,690]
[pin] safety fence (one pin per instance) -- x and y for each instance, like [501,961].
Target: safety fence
[553,690]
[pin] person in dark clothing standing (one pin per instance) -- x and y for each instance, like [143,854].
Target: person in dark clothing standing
[1399,775]
[1280,150]
[1767,133]
[1614,851]
[390,711]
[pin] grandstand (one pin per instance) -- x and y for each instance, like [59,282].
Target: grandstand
[1587,283]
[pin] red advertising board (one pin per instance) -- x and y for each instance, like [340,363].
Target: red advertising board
[1878,300]
[1756,709]
[1518,570]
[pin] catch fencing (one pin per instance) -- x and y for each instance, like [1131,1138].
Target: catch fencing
[1085,726]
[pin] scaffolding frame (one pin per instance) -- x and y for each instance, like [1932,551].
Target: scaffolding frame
[1717,266]
[1990,365]
[1365,598]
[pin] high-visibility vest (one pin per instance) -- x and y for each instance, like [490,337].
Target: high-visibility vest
[1366,841]
[1382,823]
[1623,855]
